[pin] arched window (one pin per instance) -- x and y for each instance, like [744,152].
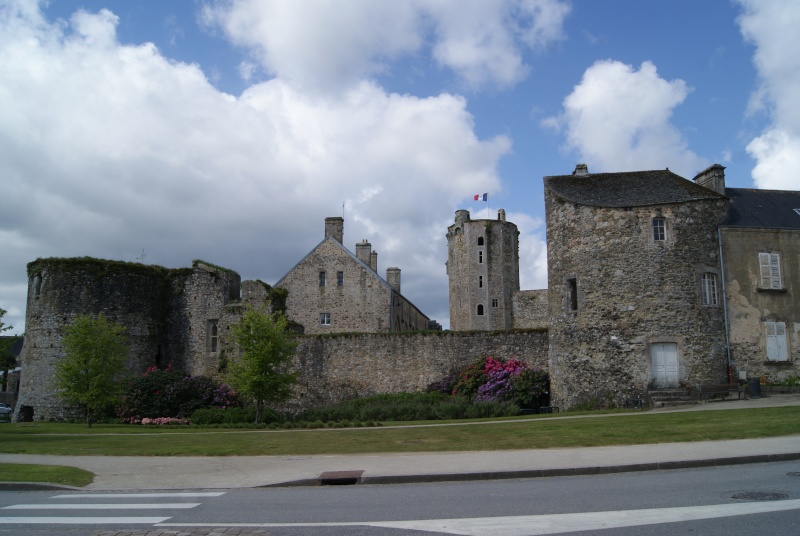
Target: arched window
[480,310]
[480,240]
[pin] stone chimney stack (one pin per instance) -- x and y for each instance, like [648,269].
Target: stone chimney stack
[334,227]
[712,178]
[393,278]
[364,251]
[501,215]
[373,261]
[581,169]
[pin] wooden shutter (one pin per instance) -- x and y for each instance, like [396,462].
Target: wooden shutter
[775,270]
[763,264]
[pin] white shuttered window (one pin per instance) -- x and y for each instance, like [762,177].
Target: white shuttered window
[776,341]
[769,265]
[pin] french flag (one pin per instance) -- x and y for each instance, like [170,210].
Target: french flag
[479,197]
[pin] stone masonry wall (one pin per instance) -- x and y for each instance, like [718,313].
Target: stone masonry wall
[339,367]
[636,294]
[530,309]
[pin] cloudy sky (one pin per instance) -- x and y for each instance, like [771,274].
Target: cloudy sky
[163,132]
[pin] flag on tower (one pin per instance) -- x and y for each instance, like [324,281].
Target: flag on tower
[479,197]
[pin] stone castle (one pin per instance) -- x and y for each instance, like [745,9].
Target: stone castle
[654,282]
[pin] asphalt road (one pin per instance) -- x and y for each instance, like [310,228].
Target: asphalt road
[761,499]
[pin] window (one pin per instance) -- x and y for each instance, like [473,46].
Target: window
[339,279]
[480,257]
[322,279]
[495,302]
[324,319]
[573,293]
[708,287]
[770,269]
[776,341]
[480,310]
[480,281]
[659,229]
[213,335]
[480,240]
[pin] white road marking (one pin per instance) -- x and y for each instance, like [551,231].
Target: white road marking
[138,495]
[539,525]
[81,520]
[100,506]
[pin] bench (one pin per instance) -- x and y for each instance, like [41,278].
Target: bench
[722,389]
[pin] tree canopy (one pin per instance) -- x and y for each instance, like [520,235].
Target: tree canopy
[261,372]
[89,374]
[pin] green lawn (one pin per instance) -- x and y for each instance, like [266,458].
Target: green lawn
[519,433]
[54,474]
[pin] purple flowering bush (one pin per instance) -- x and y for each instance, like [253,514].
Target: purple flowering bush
[497,380]
[167,393]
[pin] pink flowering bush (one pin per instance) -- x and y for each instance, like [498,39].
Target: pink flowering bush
[496,380]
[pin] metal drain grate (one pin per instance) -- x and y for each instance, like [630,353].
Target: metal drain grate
[760,496]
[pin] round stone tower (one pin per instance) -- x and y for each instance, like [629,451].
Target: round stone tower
[483,272]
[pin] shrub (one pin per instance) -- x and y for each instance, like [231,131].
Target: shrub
[168,393]
[230,416]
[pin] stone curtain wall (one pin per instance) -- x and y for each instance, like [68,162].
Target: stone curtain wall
[340,367]
[634,294]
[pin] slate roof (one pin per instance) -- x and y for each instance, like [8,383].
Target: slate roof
[773,209]
[627,189]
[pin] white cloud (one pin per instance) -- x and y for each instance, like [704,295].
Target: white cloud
[772,28]
[334,44]
[618,119]
[109,149]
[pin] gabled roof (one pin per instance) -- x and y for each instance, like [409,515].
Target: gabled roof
[627,189]
[346,251]
[773,209]
[355,259]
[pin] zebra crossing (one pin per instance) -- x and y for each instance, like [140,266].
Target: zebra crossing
[105,503]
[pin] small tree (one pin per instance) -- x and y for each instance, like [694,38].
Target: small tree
[7,360]
[261,372]
[88,376]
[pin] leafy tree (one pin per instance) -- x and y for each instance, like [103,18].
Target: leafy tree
[96,352]
[261,372]
[7,360]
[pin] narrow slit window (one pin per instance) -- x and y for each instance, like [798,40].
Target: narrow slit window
[339,279]
[480,281]
[213,335]
[480,257]
[322,279]
[573,293]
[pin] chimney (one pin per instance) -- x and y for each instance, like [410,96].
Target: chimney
[712,178]
[581,169]
[373,261]
[393,278]
[334,227]
[364,251]
[501,215]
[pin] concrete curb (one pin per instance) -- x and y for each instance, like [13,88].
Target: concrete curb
[541,473]
[36,486]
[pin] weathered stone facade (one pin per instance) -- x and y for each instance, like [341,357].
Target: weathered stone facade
[530,309]
[483,272]
[620,297]
[761,250]
[333,291]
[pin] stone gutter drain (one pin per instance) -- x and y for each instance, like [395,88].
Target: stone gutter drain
[340,478]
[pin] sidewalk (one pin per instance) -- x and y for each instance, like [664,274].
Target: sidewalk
[169,473]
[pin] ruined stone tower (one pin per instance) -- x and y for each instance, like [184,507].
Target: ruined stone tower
[483,272]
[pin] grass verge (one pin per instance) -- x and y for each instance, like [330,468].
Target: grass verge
[522,433]
[53,474]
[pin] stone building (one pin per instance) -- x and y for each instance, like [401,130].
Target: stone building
[760,243]
[633,284]
[331,290]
